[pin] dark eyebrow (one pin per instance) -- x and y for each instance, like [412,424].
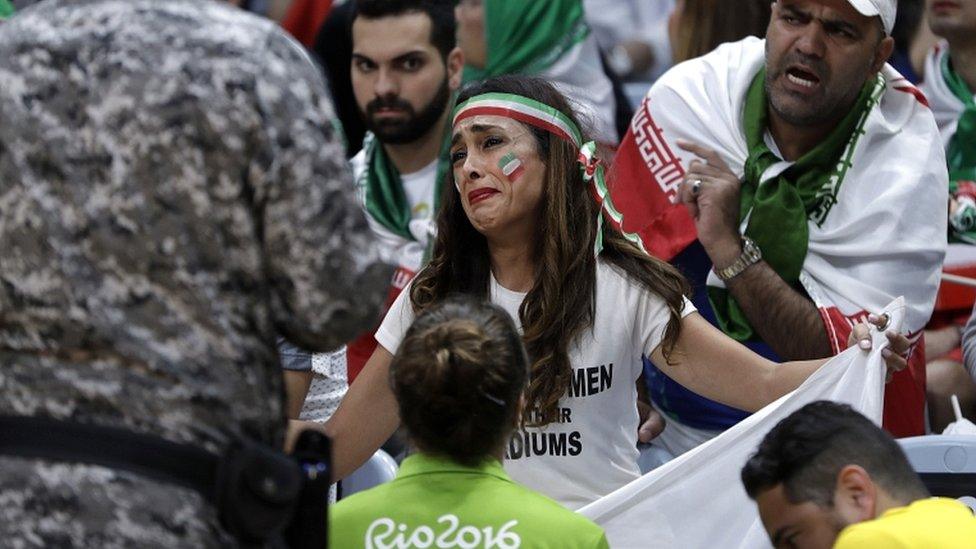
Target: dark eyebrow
[401,57]
[840,25]
[835,24]
[793,10]
[409,54]
[475,128]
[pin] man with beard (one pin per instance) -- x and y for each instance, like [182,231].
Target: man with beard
[799,182]
[826,476]
[405,68]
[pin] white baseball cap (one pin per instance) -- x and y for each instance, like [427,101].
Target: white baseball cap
[885,9]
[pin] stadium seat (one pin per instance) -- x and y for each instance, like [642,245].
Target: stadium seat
[946,463]
[378,469]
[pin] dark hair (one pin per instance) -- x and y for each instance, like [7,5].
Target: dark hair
[443,25]
[705,24]
[806,451]
[561,303]
[458,377]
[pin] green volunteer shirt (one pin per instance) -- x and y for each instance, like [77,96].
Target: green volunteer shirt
[435,502]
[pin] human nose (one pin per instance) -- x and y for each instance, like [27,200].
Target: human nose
[812,41]
[471,168]
[386,83]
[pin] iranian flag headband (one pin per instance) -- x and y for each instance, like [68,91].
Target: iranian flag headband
[532,112]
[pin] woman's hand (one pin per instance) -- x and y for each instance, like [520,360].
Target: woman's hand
[895,354]
[651,423]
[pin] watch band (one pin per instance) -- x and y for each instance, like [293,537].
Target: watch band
[750,255]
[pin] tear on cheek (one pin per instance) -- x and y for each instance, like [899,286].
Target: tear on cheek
[511,167]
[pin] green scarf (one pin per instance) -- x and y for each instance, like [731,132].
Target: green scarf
[6,9]
[961,154]
[384,196]
[527,37]
[781,207]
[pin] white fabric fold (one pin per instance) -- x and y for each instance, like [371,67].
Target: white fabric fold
[697,500]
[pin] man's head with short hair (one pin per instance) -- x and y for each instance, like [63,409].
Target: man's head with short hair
[819,55]
[405,65]
[822,468]
[955,21]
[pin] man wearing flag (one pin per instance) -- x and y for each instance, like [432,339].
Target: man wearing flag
[800,183]
[406,67]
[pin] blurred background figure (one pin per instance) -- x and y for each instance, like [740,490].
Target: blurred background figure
[697,27]
[174,197]
[333,48]
[548,39]
[633,35]
[950,78]
[458,379]
[303,18]
[913,39]
[961,384]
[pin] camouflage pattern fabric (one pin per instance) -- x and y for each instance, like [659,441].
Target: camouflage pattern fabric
[173,194]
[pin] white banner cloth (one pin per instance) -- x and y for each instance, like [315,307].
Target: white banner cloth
[697,500]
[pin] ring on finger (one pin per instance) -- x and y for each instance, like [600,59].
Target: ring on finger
[696,187]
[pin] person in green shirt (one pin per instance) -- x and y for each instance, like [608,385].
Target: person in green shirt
[458,378]
[826,476]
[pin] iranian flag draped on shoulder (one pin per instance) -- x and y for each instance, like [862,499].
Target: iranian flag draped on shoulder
[875,209]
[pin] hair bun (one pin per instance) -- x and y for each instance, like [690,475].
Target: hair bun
[456,377]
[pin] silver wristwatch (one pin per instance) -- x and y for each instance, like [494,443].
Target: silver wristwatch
[750,254]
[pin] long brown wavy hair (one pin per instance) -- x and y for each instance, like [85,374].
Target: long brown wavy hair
[562,301]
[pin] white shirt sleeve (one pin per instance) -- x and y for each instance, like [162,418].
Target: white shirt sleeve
[652,320]
[396,322]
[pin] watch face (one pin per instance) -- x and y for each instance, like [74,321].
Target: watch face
[750,255]
[751,250]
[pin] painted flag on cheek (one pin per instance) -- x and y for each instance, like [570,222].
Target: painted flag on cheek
[511,166]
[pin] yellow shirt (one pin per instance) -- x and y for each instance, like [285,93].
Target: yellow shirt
[927,523]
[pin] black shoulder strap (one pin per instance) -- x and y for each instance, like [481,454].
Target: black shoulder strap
[148,455]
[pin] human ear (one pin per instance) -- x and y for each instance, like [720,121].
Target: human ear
[855,495]
[881,53]
[455,68]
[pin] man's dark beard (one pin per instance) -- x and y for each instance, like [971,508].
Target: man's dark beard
[414,126]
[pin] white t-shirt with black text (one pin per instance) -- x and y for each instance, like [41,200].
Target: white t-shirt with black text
[592,450]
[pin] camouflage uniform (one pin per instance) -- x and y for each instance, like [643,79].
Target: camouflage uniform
[173,193]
